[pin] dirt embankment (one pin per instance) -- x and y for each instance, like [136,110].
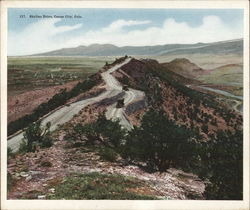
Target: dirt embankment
[25,103]
[93,92]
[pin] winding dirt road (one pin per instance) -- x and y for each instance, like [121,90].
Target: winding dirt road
[130,96]
[237,100]
[66,113]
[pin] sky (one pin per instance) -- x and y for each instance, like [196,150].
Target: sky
[121,27]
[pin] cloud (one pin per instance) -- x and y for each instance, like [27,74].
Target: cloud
[121,33]
[37,37]
[119,24]
[212,29]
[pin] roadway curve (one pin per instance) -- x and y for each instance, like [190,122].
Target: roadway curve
[238,100]
[130,96]
[66,113]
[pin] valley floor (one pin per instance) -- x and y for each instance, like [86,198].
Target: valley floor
[21,104]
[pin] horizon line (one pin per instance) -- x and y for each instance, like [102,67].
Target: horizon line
[216,42]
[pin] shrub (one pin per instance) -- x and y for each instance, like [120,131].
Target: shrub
[46,164]
[35,136]
[111,131]
[223,166]
[160,142]
[108,154]
[107,132]
[11,181]
[23,147]
[9,153]
[205,128]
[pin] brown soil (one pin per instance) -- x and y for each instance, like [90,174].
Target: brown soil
[88,114]
[136,117]
[25,103]
[179,110]
[96,90]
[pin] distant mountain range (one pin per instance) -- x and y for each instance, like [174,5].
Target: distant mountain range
[223,47]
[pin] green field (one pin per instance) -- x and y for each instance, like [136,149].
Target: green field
[29,73]
[228,74]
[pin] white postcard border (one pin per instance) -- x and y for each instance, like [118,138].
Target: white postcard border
[128,204]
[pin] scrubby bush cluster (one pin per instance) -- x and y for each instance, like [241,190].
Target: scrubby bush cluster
[222,166]
[160,144]
[107,134]
[36,137]
[108,154]
[10,153]
[103,131]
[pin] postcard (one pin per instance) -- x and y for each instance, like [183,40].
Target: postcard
[124,105]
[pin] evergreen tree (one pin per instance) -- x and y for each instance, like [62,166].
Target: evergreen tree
[160,142]
[35,136]
[224,166]
[107,132]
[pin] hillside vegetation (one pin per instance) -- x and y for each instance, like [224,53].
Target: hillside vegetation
[186,106]
[184,144]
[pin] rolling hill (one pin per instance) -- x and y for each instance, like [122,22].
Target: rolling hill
[184,67]
[225,47]
[227,74]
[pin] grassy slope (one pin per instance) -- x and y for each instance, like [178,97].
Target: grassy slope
[99,186]
[228,74]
